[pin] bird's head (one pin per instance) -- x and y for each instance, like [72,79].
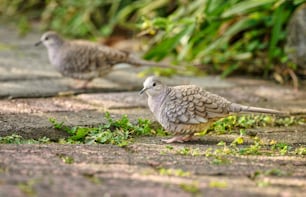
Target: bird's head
[152,86]
[50,39]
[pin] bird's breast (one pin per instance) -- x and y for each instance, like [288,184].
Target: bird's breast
[155,104]
[53,57]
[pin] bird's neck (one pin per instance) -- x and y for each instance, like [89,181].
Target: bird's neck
[156,101]
[54,51]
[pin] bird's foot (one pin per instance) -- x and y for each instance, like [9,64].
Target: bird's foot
[180,139]
[81,85]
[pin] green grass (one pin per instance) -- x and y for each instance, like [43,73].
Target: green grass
[218,184]
[92,178]
[66,158]
[118,132]
[192,188]
[17,139]
[28,187]
[238,146]
[300,150]
[243,122]
[173,172]
[122,131]
[259,176]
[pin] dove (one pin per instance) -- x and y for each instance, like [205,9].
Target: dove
[187,109]
[85,60]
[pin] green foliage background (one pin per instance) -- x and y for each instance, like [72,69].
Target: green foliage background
[219,36]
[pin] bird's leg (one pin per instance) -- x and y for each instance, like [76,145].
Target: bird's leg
[187,138]
[82,84]
[174,139]
[180,138]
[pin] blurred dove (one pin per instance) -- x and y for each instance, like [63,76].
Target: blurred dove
[86,60]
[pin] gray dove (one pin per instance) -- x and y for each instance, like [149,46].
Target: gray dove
[86,60]
[188,109]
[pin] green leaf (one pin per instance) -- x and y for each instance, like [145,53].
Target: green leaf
[279,18]
[163,48]
[80,133]
[245,6]
[161,23]
[229,70]
[296,2]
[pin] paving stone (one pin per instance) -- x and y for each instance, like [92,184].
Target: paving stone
[114,171]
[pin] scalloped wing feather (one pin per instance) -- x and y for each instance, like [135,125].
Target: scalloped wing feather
[193,105]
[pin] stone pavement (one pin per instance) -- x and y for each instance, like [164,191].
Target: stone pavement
[32,91]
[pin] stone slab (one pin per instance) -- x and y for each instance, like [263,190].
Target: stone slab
[40,170]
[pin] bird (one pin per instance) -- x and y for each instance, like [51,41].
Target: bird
[85,60]
[188,109]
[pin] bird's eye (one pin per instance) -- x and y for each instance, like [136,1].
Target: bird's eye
[46,38]
[154,84]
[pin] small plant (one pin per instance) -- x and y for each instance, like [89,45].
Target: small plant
[258,176]
[220,160]
[300,151]
[234,122]
[253,149]
[2,169]
[288,121]
[188,151]
[275,172]
[66,159]
[283,148]
[11,139]
[118,132]
[218,184]
[28,187]
[263,183]
[192,188]
[239,140]
[17,139]
[92,178]
[173,172]
[169,147]
[225,125]
[181,151]
[219,155]
[259,147]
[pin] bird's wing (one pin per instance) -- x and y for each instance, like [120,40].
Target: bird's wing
[192,105]
[114,56]
[85,56]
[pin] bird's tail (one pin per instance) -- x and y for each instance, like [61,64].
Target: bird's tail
[237,108]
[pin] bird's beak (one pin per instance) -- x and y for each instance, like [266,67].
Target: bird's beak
[38,43]
[142,91]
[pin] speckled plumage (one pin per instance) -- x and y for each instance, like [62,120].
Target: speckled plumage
[86,60]
[187,109]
